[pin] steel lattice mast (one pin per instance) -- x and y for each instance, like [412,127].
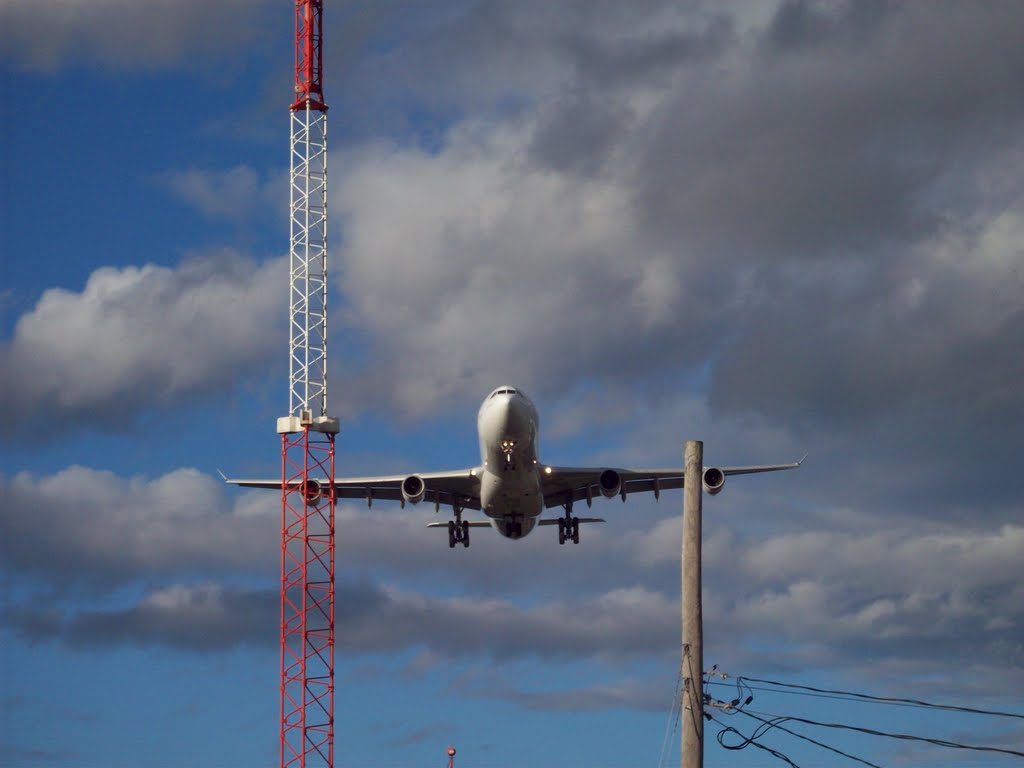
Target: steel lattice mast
[307,432]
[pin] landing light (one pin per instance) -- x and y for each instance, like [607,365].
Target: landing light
[547,470]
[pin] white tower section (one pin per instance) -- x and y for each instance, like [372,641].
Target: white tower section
[307,277]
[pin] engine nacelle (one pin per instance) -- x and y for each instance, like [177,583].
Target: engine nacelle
[713,479]
[610,483]
[413,489]
[312,492]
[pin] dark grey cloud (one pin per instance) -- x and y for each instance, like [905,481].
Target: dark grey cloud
[369,619]
[139,337]
[904,597]
[807,211]
[764,182]
[197,618]
[798,24]
[834,147]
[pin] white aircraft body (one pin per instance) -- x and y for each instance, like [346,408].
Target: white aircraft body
[510,485]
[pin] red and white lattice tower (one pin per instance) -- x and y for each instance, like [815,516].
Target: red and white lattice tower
[307,432]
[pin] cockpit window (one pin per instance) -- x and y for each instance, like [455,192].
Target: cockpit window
[504,391]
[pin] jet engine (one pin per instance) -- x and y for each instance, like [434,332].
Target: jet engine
[714,480]
[610,483]
[413,489]
[312,492]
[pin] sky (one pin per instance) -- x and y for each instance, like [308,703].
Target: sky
[777,227]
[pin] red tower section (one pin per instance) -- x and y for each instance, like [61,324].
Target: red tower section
[307,432]
[309,55]
[307,600]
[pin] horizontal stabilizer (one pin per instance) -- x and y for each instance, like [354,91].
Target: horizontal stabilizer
[554,520]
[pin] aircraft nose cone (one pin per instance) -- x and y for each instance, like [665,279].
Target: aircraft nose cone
[511,415]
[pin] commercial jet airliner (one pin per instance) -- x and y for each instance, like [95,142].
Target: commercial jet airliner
[511,486]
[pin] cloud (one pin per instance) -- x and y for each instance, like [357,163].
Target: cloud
[489,281]
[206,617]
[906,599]
[925,327]
[621,694]
[124,34]
[905,596]
[139,337]
[233,193]
[90,528]
[369,620]
[747,196]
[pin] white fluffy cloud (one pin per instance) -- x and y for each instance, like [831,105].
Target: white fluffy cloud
[90,527]
[472,266]
[137,337]
[232,193]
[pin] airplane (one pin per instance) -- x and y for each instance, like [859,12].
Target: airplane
[511,486]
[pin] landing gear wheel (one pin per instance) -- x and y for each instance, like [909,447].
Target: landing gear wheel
[451,534]
[575,530]
[561,531]
[465,533]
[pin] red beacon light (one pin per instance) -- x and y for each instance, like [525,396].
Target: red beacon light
[451,751]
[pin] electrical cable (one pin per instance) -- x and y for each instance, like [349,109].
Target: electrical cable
[807,738]
[673,719]
[746,741]
[776,722]
[811,695]
[847,695]
[899,736]
[737,707]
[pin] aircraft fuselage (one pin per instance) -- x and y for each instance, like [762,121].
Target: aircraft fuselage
[510,487]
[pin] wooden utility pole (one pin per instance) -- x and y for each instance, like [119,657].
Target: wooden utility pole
[692,699]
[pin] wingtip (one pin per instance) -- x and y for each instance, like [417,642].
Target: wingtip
[806,454]
[222,475]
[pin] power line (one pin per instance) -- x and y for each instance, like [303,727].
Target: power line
[836,697]
[739,704]
[747,741]
[848,695]
[766,726]
[807,738]
[675,711]
[736,706]
[899,736]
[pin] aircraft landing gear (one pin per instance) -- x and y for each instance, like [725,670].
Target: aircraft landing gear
[568,530]
[568,526]
[458,531]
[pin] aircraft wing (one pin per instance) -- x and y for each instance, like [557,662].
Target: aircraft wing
[561,484]
[461,486]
